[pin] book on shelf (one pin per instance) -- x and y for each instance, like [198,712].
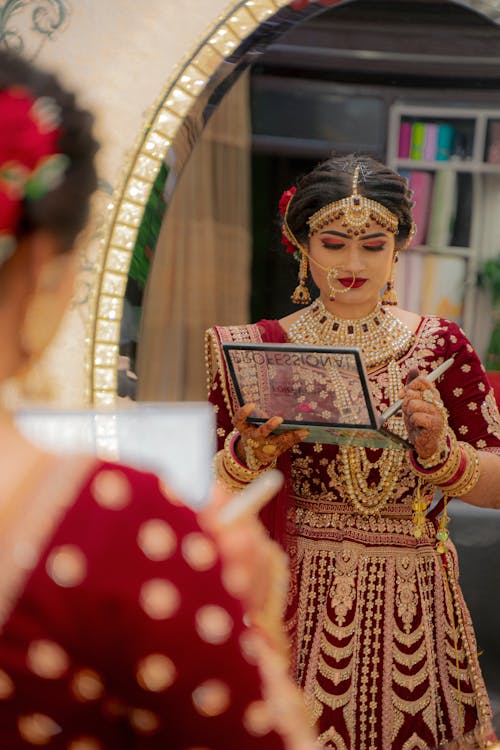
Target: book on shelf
[417,141]
[445,137]
[431,141]
[404,140]
[428,141]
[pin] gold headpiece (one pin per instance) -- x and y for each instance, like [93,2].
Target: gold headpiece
[356,213]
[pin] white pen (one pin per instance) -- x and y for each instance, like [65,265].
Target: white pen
[250,500]
[434,375]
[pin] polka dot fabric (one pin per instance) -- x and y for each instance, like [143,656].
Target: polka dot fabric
[124,635]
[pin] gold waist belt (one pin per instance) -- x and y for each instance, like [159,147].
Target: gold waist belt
[325,514]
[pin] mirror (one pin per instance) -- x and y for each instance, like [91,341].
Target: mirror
[336,80]
[364,62]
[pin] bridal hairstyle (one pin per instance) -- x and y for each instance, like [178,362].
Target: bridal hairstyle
[332,180]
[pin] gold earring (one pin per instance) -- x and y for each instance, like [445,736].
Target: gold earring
[301,294]
[390,296]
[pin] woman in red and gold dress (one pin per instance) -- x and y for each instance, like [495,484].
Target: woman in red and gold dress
[383,644]
[119,623]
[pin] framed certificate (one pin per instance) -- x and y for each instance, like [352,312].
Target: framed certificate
[323,389]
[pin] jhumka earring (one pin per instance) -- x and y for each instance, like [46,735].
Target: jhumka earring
[390,296]
[301,294]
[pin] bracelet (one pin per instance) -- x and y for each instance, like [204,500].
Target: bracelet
[232,463]
[439,457]
[470,475]
[459,472]
[223,475]
[444,472]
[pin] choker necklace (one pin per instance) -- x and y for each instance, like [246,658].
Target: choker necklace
[380,336]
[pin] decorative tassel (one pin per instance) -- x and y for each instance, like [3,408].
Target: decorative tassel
[419,517]
[390,296]
[301,294]
[442,534]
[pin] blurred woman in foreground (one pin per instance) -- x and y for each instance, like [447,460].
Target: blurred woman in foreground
[119,621]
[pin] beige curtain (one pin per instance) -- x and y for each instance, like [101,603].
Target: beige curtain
[201,272]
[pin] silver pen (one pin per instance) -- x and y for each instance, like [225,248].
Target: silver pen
[434,375]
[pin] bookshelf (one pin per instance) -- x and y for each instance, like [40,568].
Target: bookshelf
[451,157]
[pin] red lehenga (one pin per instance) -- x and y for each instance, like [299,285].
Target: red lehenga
[116,631]
[382,641]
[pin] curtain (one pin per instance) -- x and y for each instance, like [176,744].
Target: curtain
[201,270]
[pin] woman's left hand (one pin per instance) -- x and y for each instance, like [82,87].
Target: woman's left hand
[424,414]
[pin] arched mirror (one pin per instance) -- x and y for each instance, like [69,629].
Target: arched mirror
[275,87]
[319,77]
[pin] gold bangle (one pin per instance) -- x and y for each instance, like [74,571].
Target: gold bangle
[234,467]
[222,474]
[440,456]
[470,476]
[447,470]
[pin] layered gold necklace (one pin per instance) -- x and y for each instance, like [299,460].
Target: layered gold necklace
[380,336]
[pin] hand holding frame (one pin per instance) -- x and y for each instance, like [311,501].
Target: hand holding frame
[257,445]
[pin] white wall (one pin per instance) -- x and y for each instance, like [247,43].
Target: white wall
[118,55]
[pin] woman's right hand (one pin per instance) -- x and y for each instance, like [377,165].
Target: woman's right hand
[258,447]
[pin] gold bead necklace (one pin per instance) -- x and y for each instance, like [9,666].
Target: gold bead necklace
[380,336]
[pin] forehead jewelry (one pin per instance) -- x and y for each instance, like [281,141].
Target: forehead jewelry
[355,213]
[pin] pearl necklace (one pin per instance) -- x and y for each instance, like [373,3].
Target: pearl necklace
[380,336]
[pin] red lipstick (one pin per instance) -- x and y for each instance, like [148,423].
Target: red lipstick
[349,282]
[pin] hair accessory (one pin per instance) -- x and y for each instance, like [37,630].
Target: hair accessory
[356,213]
[290,245]
[30,164]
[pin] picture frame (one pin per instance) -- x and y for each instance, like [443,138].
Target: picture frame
[322,389]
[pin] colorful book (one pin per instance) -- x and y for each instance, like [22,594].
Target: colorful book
[431,141]
[417,140]
[445,137]
[421,184]
[404,140]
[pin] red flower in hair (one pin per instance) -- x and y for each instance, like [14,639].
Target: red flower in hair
[29,163]
[283,205]
[285,200]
